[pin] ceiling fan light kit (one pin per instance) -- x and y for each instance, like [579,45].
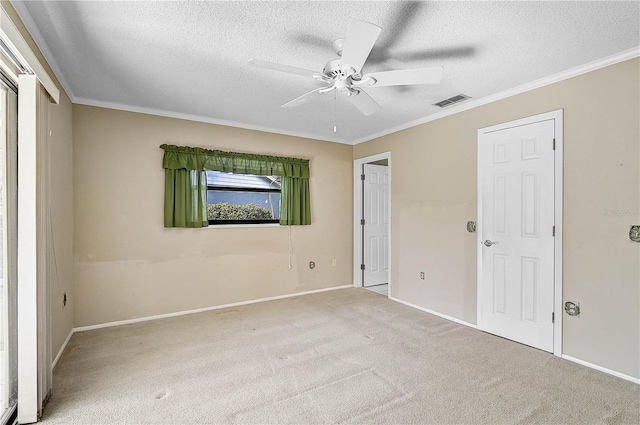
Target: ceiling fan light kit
[344,74]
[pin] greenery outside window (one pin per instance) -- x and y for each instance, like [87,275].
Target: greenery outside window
[243,198]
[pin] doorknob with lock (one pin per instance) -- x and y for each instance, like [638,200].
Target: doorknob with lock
[489,243]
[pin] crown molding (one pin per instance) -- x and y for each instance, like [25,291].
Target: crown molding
[475,103]
[199,118]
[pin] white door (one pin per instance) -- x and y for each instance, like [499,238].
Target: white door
[376,225]
[516,225]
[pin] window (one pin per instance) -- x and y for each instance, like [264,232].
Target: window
[243,198]
[194,174]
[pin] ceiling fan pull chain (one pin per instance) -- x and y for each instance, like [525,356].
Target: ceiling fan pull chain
[335,113]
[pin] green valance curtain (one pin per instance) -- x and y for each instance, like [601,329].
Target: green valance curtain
[185,195]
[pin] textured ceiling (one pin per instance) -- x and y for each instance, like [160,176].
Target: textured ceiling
[189,59]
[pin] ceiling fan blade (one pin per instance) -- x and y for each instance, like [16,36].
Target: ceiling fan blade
[282,68]
[403,77]
[358,44]
[364,103]
[303,99]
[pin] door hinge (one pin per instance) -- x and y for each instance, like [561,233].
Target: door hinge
[553,232]
[553,317]
[554,144]
[362,221]
[362,177]
[361,266]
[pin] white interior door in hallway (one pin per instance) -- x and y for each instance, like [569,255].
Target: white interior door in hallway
[516,172]
[376,224]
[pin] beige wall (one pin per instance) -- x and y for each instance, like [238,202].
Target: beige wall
[61,224]
[127,265]
[434,195]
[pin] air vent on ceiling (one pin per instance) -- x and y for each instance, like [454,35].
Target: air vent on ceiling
[452,100]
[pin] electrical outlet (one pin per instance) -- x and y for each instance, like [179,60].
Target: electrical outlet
[421,275]
[312,264]
[334,262]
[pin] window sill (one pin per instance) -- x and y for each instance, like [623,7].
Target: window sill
[241,226]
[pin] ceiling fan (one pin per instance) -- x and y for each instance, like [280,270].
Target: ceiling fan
[344,74]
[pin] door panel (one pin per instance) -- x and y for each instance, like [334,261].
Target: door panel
[376,227]
[516,178]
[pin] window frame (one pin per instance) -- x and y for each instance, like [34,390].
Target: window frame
[242,189]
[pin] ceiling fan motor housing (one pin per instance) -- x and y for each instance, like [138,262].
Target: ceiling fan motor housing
[334,70]
[341,77]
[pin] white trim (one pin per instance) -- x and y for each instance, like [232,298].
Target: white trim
[28,252]
[19,47]
[478,236]
[471,104]
[557,117]
[64,346]
[435,313]
[545,116]
[558,241]
[357,215]
[563,356]
[208,120]
[201,310]
[602,369]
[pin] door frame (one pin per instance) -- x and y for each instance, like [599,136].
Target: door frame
[557,117]
[357,215]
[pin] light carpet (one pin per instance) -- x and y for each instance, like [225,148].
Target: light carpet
[344,356]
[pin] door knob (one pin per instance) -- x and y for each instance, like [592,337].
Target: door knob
[489,243]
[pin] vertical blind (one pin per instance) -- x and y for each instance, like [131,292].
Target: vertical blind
[185,187]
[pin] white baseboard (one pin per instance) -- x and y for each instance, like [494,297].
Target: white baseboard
[564,356]
[435,313]
[602,369]
[201,310]
[64,345]
[279,297]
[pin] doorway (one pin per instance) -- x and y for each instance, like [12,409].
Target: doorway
[519,230]
[372,224]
